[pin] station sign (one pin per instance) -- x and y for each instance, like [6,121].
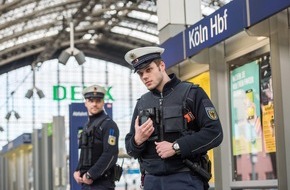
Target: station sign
[222,24]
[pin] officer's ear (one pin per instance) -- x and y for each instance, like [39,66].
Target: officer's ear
[162,65]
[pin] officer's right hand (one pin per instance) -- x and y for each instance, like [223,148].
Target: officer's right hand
[77,176]
[143,132]
[86,180]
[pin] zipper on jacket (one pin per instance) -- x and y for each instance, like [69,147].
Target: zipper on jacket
[161,127]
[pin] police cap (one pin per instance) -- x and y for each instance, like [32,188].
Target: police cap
[141,57]
[94,91]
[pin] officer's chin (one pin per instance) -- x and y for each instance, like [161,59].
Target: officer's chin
[94,112]
[150,87]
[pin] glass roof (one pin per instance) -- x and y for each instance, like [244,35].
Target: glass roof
[40,28]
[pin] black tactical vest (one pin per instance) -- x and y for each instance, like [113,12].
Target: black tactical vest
[170,108]
[171,126]
[91,143]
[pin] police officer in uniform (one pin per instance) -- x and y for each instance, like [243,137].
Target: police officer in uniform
[173,126]
[98,143]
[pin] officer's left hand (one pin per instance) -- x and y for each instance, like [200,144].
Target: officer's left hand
[164,149]
[87,181]
[77,176]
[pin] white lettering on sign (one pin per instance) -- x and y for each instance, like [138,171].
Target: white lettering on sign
[218,24]
[79,113]
[200,34]
[239,80]
[197,36]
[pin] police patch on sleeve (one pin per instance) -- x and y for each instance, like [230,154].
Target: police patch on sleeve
[112,138]
[211,113]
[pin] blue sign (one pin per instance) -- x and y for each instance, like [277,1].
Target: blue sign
[262,9]
[227,21]
[78,117]
[174,50]
[222,24]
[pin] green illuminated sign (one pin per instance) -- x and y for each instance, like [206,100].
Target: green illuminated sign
[74,93]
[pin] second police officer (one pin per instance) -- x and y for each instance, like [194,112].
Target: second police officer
[173,126]
[98,143]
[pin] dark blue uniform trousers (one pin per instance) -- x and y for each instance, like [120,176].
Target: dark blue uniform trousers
[180,181]
[99,185]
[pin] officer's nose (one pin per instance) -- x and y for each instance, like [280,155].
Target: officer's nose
[145,76]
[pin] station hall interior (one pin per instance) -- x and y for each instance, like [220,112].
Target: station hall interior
[238,51]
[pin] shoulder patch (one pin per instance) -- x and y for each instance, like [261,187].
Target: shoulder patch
[211,113]
[112,138]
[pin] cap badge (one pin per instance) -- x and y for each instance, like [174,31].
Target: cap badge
[134,58]
[95,91]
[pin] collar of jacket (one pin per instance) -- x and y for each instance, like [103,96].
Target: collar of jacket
[92,118]
[169,86]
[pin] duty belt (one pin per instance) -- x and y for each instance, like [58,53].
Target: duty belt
[184,169]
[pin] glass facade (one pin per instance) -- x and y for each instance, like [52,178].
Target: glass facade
[62,85]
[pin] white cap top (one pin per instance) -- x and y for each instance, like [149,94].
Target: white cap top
[140,57]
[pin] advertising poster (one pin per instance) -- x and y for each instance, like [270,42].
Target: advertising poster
[267,105]
[245,107]
[269,128]
[203,81]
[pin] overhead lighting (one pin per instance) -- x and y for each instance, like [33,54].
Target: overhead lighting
[8,115]
[80,57]
[17,116]
[64,56]
[71,51]
[40,93]
[30,92]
